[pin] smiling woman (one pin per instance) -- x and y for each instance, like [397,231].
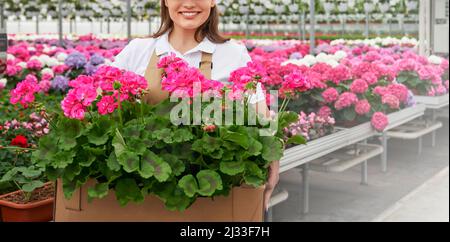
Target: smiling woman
[200,16]
[190,30]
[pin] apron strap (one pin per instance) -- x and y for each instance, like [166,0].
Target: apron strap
[206,65]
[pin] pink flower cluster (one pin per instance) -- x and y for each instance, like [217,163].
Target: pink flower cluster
[311,126]
[182,80]
[294,82]
[345,100]
[362,107]
[330,95]
[379,121]
[24,91]
[86,89]
[36,124]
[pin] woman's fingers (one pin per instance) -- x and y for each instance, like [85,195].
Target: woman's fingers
[272,182]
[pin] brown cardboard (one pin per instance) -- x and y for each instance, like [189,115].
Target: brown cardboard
[244,204]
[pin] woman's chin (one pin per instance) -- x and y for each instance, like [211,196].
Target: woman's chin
[187,26]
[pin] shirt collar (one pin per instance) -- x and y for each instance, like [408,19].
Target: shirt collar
[163,46]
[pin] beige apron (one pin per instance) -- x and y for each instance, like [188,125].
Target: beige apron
[153,75]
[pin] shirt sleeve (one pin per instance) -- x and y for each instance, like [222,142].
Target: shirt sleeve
[122,60]
[259,95]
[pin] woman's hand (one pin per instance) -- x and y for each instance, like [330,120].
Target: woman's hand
[274,177]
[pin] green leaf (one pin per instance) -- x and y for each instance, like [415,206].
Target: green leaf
[206,145]
[254,147]
[70,128]
[272,148]
[118,143]
[189,185]
[401,78]
[8,176]
[182,135]
[63,159]
[129,161]
[71,171]
[232,168]
[254,175]
[112,162]
[85,157]
[296,139]
[97,135]
[176,164]
[133,131]
[164,135]
[127,190]
[235,137]
[30,172]
[137,145]
[47,149]
[29,187]
[69,188]
[161,169]
[253,180]
[67,143]
[94,150]
[99,191]
[209,181]
[349,114]
[286,118]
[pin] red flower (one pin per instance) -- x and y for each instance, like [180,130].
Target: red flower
[20,141]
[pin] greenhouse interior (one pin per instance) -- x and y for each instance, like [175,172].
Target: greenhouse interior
[279,111]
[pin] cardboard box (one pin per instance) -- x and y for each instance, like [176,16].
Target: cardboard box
[244,204]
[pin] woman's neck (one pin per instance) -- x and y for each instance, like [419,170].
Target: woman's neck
[182,40]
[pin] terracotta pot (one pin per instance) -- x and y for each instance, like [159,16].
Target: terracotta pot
[244,204]
[40,211]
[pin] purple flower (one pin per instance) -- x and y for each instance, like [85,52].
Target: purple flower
[411,100]
[90,69]
[295,56]
[75,60]
[60,83]
[97,60]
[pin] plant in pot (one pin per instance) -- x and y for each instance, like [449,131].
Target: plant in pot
[106,138]
[24,194]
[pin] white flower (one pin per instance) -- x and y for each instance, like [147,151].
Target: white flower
[22,64]
[332,63]
[10,57]
[47,71]
[322,57]
[433,59]
[43,59]
[31,48]
[61,56]
[339,55]
[3,82]
[311,60]
[52,62]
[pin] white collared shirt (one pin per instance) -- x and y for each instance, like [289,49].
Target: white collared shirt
[226,57]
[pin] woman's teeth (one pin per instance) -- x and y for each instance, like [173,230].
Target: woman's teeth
[189,14]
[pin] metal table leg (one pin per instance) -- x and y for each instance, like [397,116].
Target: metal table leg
[385,150]
[305,177]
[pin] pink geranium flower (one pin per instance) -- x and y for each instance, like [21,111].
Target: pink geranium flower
[362,107]
[345,100]
[106,105]
[24,91]
[359,86]
[330,95]
[391,100]
[379,121]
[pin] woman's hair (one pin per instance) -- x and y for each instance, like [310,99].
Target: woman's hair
[209,29]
